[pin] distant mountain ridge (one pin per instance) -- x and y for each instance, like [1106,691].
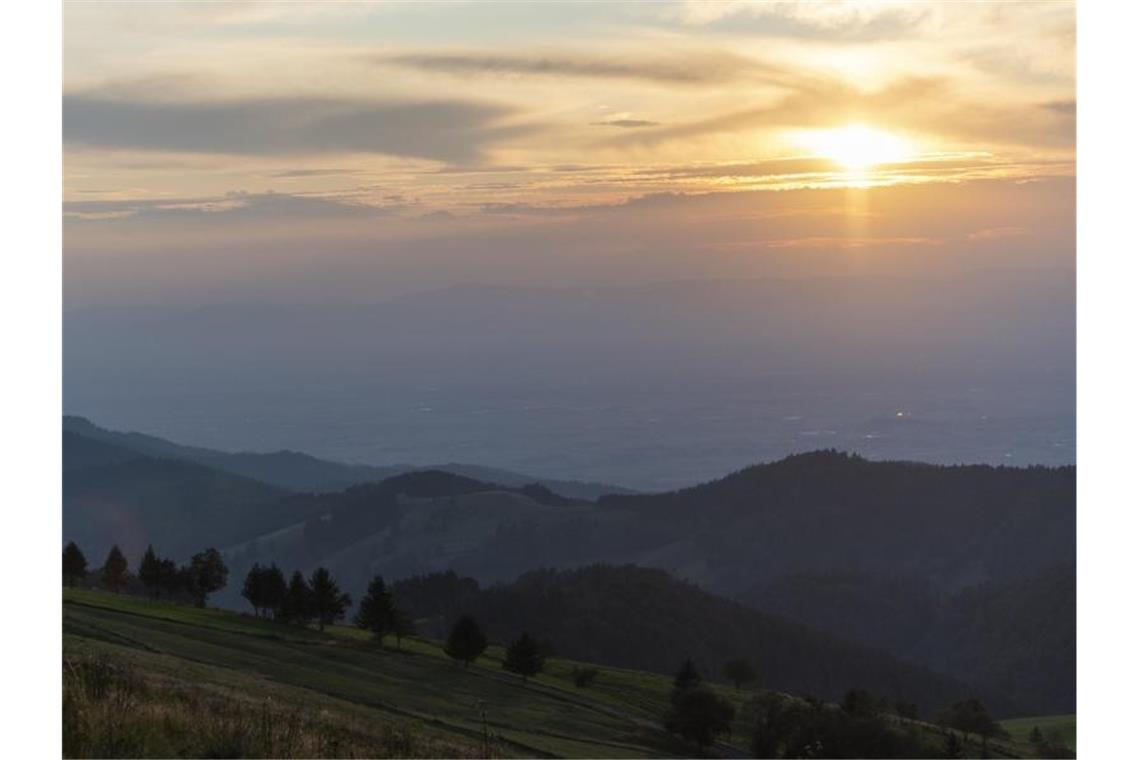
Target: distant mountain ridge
[297,471]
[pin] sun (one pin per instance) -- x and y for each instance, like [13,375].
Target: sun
[857,147]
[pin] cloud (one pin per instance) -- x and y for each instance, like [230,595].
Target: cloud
[626,123]
[996,233]
[446,130]
[684,68]
[930,105]
[831,22]
[238,206]
[1065,107]
[302,173]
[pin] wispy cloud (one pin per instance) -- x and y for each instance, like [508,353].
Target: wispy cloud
[626,123]
[446,130]
[681,67]
[830,21]
[233,206]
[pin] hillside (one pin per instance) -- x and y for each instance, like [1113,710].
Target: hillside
[212,683]
[297,471]
[112,495]
[644,619]
[951,527]
[1018,638]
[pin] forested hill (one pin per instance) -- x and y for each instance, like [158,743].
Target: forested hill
[1018,638]
[634,617]
[953,527]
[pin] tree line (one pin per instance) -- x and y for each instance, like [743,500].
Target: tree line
[205,573]
[300,601]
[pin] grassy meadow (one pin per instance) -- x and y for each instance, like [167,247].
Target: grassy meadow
[150,678]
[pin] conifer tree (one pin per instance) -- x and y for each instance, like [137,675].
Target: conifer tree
[74,563]
[524,657]
[150,571]
[328,603]
[115,570]
[377,612]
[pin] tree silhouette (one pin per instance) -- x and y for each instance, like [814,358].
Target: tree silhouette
[115,570]
[253,589]
[970,717]
[328,603]
[377,612]
[696,713]
[296,606]
[74,563]
[524,657]
[169,579]
[739,671]
[466,641]
[150,571]
[273,588]
[208,573]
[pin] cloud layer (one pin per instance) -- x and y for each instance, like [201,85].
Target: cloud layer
[442,130]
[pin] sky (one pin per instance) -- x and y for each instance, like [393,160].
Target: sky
[645,243]
[221,152]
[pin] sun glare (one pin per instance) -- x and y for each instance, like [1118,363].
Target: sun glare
[857,147]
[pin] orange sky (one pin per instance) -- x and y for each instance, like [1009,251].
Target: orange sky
[360,127]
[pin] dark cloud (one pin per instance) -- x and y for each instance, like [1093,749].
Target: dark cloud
[626,123]
[455,131]
[683,68]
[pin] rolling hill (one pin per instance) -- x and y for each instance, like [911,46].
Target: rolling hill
[297,471]
[641,618]
[1018,638]
[212,683]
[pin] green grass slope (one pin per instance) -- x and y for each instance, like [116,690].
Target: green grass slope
[372,701]
[152,679]
[1060,728]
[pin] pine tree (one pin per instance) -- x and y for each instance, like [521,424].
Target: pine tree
[74,563]
[524,657]
[170,579]
[328,603]
[150,571]
[696,712]
[296,607]
[274,588]
[115,570]
[377,612]
[466,641]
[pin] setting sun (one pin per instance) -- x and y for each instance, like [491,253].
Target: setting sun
[857,147]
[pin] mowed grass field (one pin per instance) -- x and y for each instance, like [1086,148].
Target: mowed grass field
[1063,727]
[145,678]
[346,694]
